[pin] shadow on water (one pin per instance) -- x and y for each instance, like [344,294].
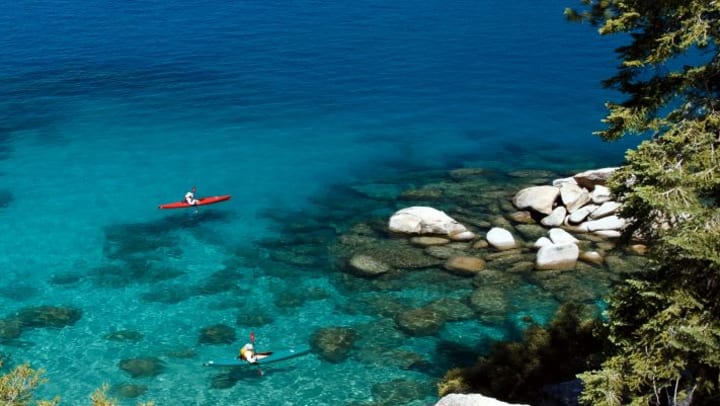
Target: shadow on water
[6,198]
[246,374]
[137,253]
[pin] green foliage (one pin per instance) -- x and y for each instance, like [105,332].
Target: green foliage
[665,324]
[661,31]
[517,371]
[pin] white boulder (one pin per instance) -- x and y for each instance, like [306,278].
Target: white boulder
[500,238]
[541,242]
[605,209]
[589,179]
[560,236]
[605,223]
[573,196]
[581,214]
[600,194]
[609,233]
[555,218]
[425,220]
[557,256]
[559,182]
[538,198]
[460,399]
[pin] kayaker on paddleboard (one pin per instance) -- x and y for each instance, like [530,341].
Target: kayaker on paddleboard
[247,353]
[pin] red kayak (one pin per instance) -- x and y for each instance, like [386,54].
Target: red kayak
[203,201]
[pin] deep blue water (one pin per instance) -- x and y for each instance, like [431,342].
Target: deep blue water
[108,108]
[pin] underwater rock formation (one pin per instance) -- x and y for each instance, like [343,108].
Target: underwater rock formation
[217,334]
[49,316]
[334,343]
[143,367]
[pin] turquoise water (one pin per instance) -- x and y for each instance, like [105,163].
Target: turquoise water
[111,108]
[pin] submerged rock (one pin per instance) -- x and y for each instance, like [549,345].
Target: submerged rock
[423,241]
[124,335]
[489,302]
[451,309]
[10,328]
[217,334]
[400,392]
[49,316]
[420,322]
[365,265]
[399,255]
[142,367]
[334,343]
[255,317]
[464,265]
[129,390]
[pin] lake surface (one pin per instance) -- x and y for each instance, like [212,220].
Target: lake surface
[108,109]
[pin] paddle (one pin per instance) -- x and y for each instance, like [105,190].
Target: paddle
[252,341]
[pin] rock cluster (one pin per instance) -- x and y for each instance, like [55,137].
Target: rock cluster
[579,203]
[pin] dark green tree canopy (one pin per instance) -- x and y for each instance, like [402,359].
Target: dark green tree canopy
[665,324]
[666,36]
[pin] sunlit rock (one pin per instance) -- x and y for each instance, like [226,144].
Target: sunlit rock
[424,220]
[464,265]
[592,257]
[560,236]
[581,214]
[541,242]
[539,198]
[573,196]
[606,223]
[605,209]
[600,194]
[555,218]
[500,238]
[557,256]
[589,179]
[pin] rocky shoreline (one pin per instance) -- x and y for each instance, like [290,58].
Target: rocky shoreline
[551,235]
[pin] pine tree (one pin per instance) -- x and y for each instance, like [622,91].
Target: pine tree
[665,323]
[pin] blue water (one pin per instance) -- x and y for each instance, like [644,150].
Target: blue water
[110,108]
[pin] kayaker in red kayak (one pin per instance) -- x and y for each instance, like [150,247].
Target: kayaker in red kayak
[190,197]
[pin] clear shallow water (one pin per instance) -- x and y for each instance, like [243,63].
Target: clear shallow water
[111,108]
